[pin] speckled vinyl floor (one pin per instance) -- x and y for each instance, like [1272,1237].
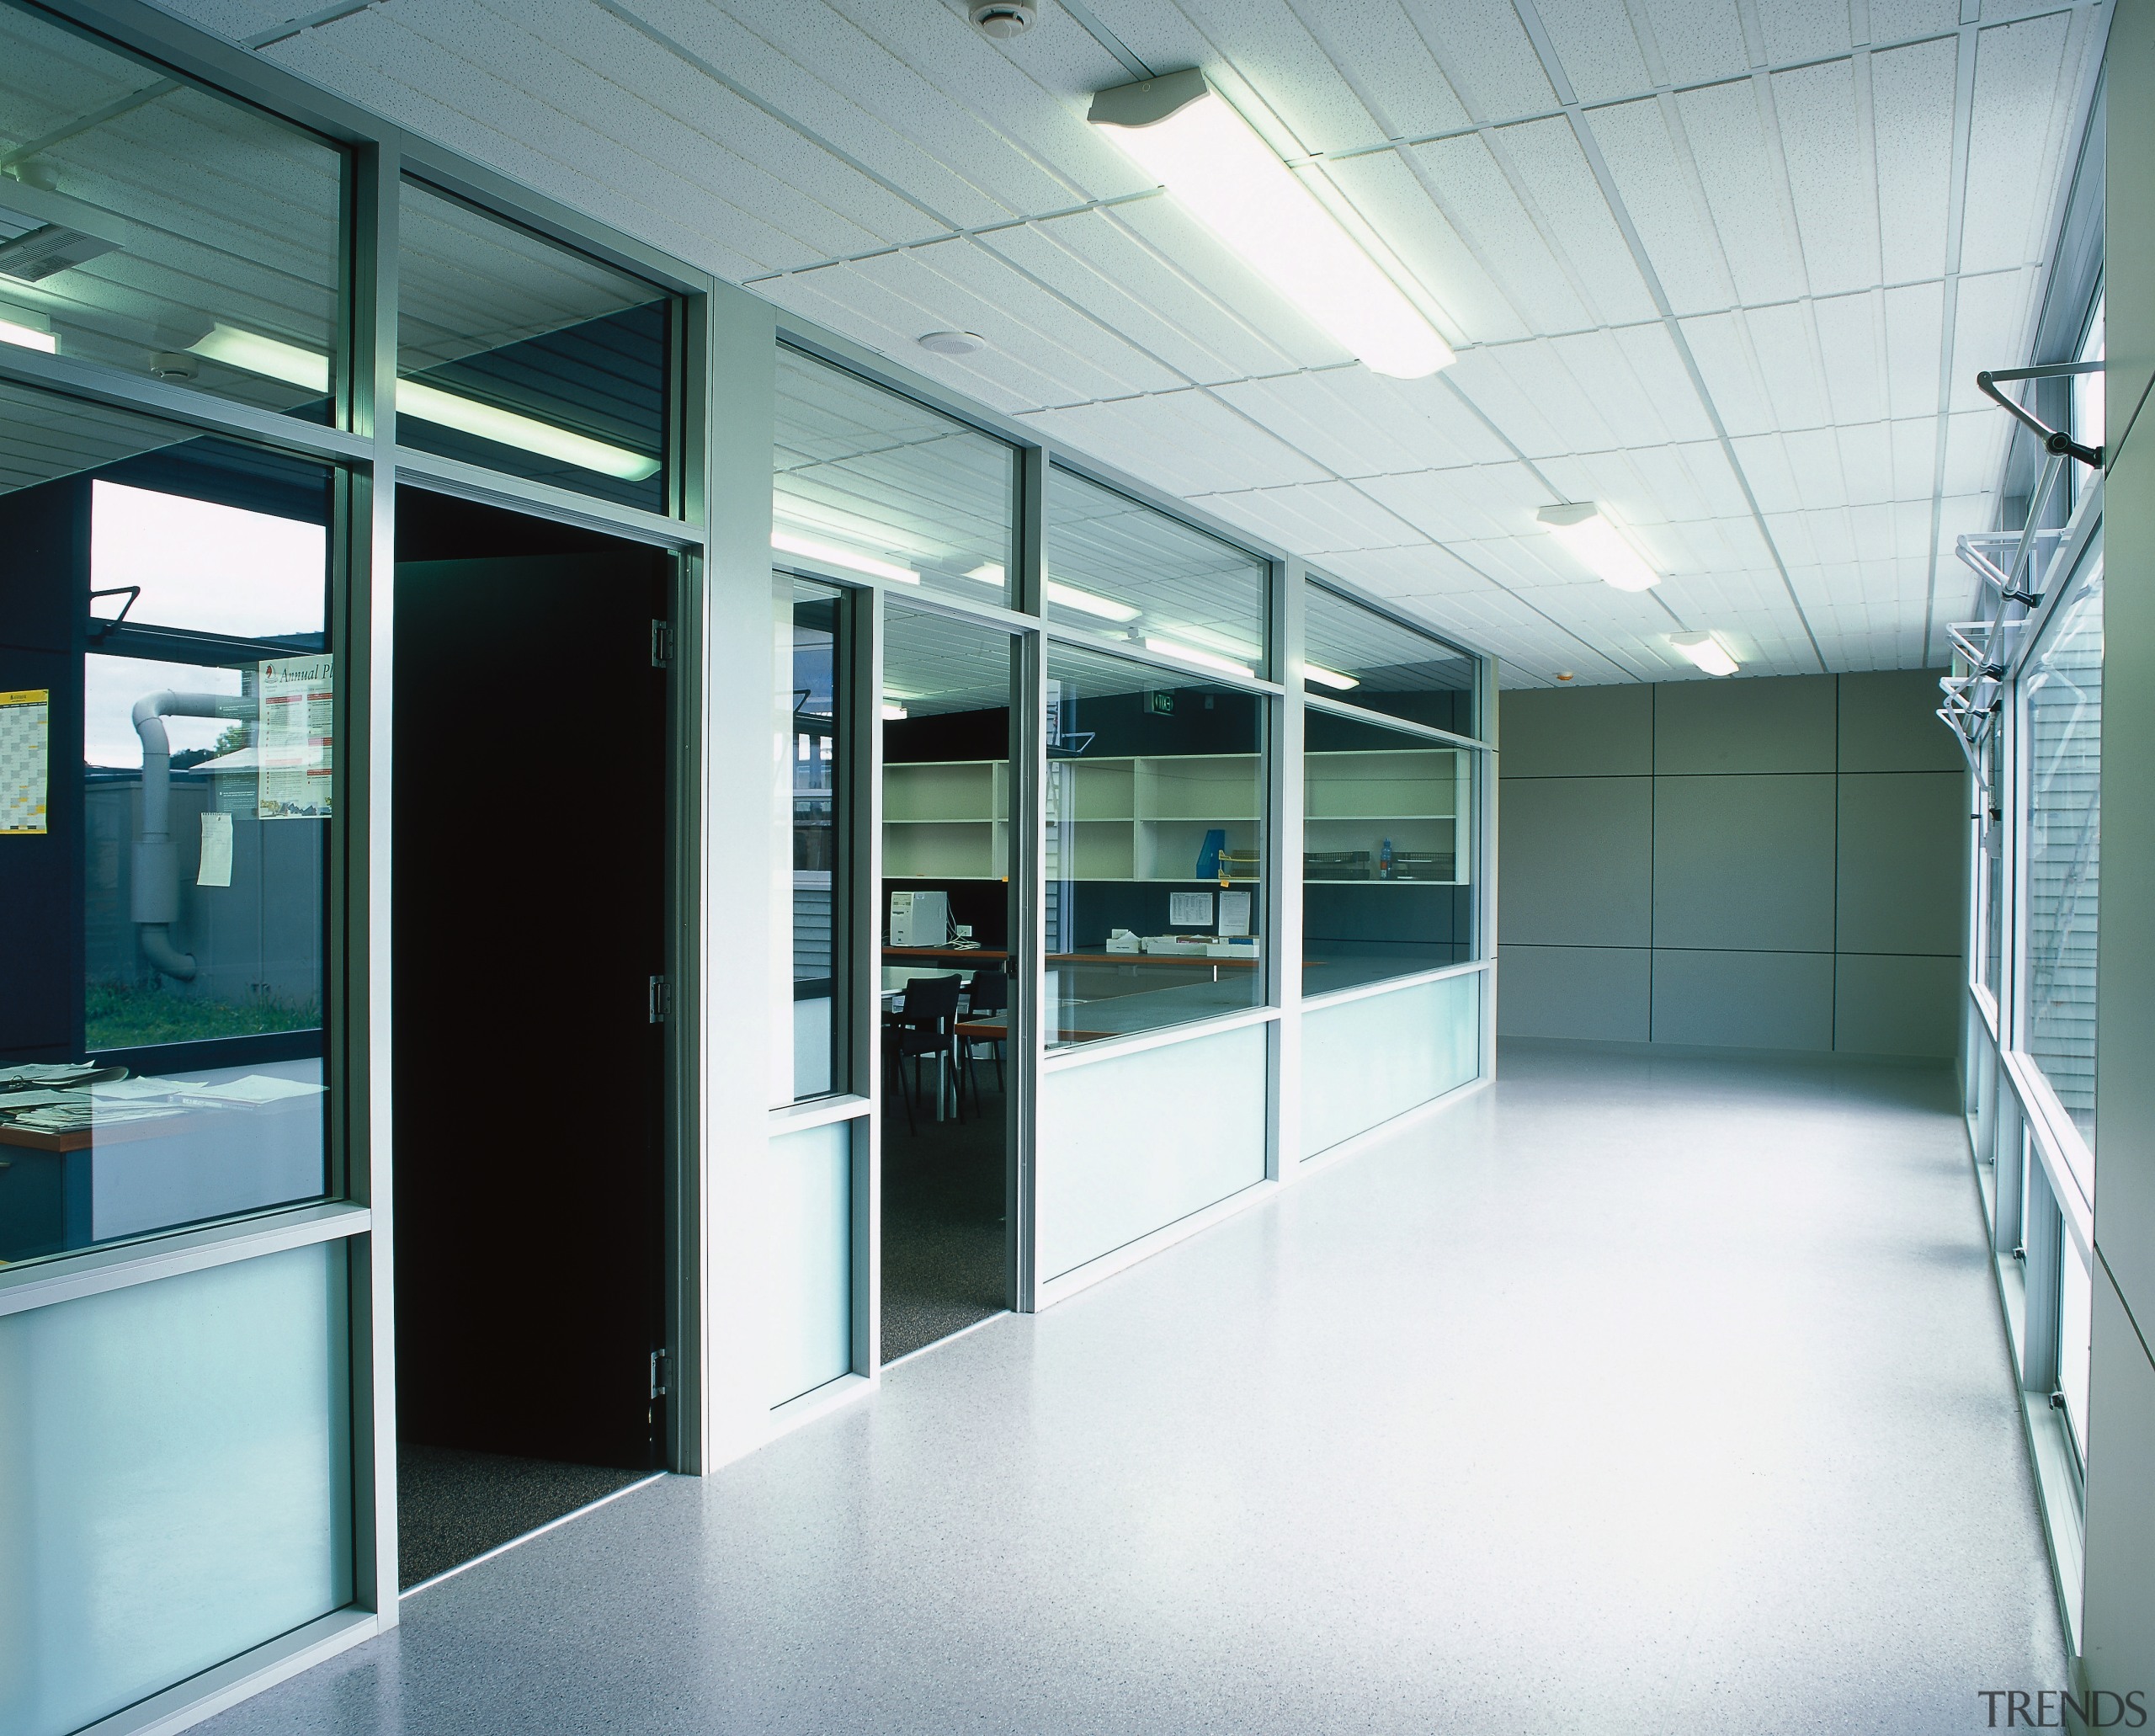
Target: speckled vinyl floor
[1636,1395]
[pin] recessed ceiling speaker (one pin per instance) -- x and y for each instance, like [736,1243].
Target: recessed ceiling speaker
[1004,19]
[953,343]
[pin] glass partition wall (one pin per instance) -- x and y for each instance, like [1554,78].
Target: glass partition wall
[1036,784]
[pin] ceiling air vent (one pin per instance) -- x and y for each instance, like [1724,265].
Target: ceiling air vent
[1004,19]
[33,256]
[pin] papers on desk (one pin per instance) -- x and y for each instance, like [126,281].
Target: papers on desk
[82,1115]
[46,1075]
[257,1090]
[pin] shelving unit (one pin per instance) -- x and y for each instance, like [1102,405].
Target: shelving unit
[1416,797]
[1144,817]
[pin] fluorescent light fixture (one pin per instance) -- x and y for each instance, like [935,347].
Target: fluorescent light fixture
[1329,678]
[28,338]
[1189,654]
[1225,644]
[1707,651]
[990,572]
[1581,527]
[307,369]
[1183,132]
[505,427]
[254,354]
[1085,603]
[809,550]
[893,714]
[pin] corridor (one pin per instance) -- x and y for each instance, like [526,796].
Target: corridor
[1633,1394]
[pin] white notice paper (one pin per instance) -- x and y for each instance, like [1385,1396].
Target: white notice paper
[1234,913]
[25,735]
[217,858]
[1190,909]
[296,697]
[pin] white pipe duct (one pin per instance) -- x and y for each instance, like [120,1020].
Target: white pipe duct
[156,901]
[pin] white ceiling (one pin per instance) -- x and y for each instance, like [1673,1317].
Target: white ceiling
[1727,266]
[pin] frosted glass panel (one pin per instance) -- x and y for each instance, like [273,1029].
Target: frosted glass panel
[1128,1145]
[812,1258]
[175,1481]
[1365,1060]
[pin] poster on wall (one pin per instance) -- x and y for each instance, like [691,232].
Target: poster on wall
[295,698]
[25,748]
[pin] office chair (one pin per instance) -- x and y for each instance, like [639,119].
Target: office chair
[990,993]
[924,1023]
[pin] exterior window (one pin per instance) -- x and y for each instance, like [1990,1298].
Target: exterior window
[871,484]
[168,692]
[2062,698]
[1155,820]
[154,228]
[515,353]
[1118,568]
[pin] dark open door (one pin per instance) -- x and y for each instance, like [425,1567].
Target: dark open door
[529,907]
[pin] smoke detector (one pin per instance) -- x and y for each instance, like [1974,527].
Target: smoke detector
[1003,19]
[1563,674]
[952,342]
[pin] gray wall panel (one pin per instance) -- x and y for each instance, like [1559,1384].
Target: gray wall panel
[1743,1000]
[2118,1635]
[1784,723]
[1887,724]
[1585,733]
[1578,861]
[1903,835]
[1589,993]
[1887,1005]
[1744,862]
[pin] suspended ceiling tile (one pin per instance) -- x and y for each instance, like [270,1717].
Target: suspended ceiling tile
[1486,55]
[1852,343]
[1766,466]
[1783,342]
[2019,69]
[1321,517]
[1721,347]
[1698,40]
[1829,176]
[1665,210]
[1896,20]
[1066,62]
[1814,458]
[1990,330]
[960,285]
[1419,570]
[1376,45]
[1384,190]
[884,323]
[1913,444]
[1289,88]
[1490,378]
[1186,442]
[1474,195]
[1127,287]
[1975,450]
[1867,464]
[1584,383]
[1186,248]
[902,119]
[1661,381]
[1545,157]
[1804,30]
[1728,142]
[1490,500]
[604,76]
[1912,93]
[1914,329]
[1597,48]
[1359,424]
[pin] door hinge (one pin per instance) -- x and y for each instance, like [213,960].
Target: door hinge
[662,644]
[659,1374]
[659,1000]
